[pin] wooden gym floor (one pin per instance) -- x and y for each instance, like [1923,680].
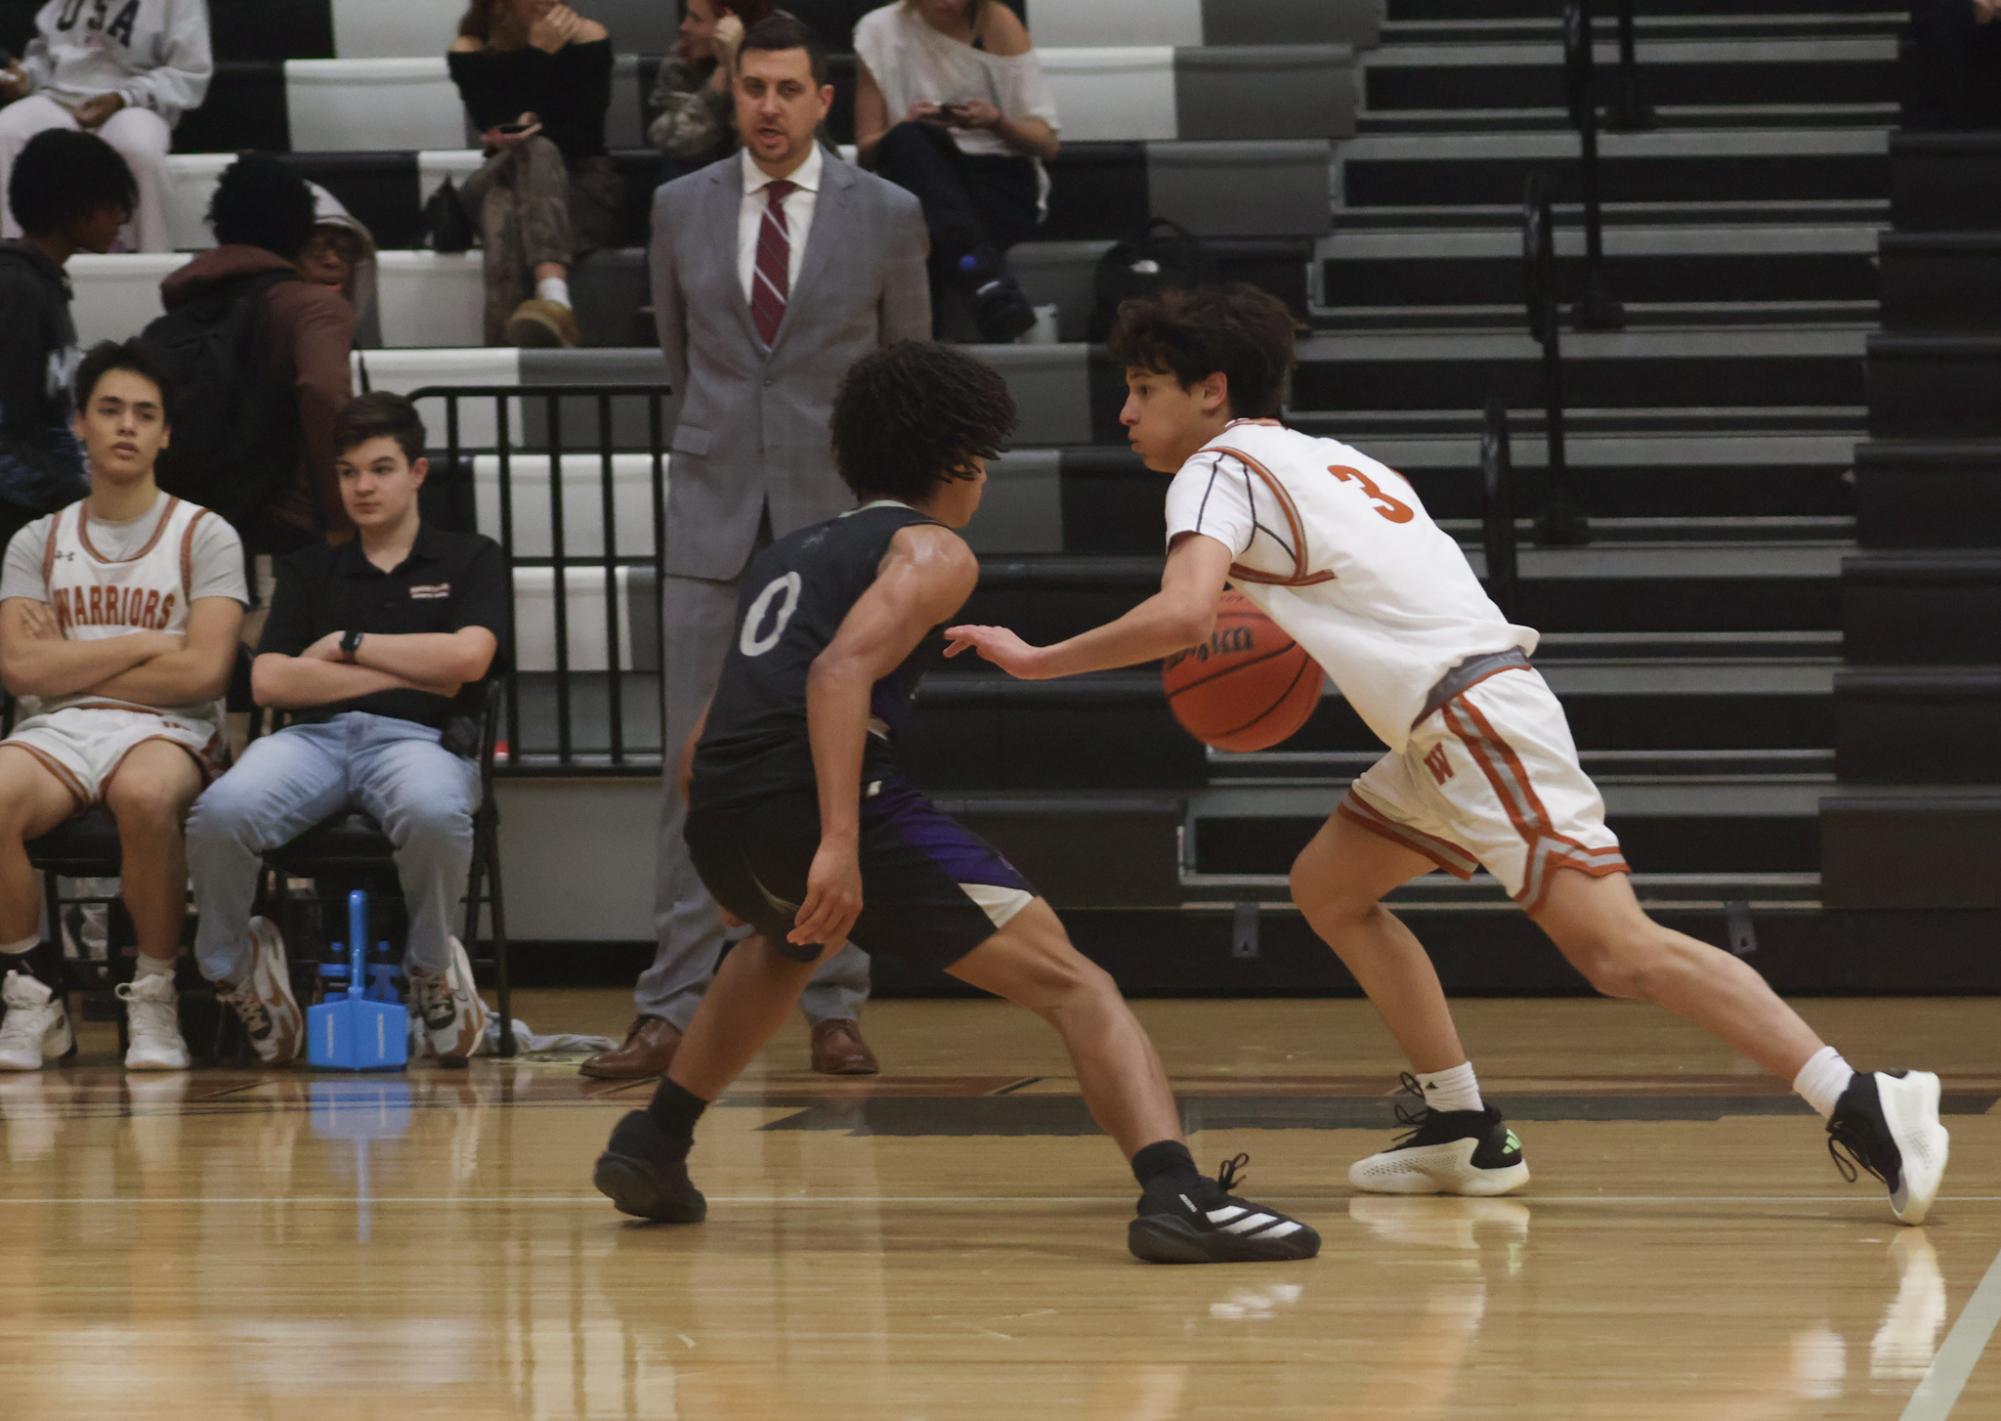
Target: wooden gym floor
[947,1240]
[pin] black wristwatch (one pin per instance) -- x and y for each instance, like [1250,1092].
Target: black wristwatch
[350,643]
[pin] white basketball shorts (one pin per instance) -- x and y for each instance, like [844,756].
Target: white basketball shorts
[83,746]
[1491,780]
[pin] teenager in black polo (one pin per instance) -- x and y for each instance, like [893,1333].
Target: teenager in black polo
[378,648]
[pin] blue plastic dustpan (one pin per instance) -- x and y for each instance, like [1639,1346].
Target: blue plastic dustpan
[350,1032]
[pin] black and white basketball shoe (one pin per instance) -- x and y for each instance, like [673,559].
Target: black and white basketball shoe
[645,1173]
[1470,1152]
[1206,1223]
[1886,1122]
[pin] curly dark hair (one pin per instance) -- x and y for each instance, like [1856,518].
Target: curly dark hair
[260,202]
[1238,330]
[64,176]
[909,417]
[133,356]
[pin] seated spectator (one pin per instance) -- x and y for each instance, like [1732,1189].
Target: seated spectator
[263,218]
[126,74]
[536,79]
[950,102]
[380,650]
[1956,81]
[119,619]
[73,193]
[341,254]
[694,112]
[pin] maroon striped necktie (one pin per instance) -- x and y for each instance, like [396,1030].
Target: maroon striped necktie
[771,286]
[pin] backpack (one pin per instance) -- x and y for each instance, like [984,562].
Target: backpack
[1162,256]
[235,427]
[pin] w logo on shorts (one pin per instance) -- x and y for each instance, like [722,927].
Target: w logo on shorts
[1439,764]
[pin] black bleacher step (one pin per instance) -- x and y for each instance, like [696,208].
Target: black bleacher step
[1945,181]
[1876,24]
[1933,386]
[1064,274]
[1725,825]
[1918,724]
[1091,848]
[1391,370]
[1936,608]
[1440,890]
[1367,427]
[1904,847]
[1539,9]
[1941,281]
[1747,165]
[1299,766]
[1734,71]
[244,97]
[1681,264]
[1639,316]
[1927,493]
[1746,211]
[1678,116]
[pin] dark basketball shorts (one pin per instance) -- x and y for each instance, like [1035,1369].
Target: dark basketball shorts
[932,890]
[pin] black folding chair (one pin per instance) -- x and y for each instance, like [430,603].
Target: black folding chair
[353,844]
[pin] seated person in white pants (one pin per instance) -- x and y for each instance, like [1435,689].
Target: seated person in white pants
[124,69]
[378,648]
[119,619]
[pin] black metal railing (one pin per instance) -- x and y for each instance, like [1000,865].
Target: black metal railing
[1497,516]
[562,717]
[1627,111]
[1562,519]
[1597,309]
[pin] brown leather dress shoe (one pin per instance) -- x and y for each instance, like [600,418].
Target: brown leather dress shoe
[838,1049]
[648,1051]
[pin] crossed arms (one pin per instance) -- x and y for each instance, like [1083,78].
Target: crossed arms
[435,663]
[159,669]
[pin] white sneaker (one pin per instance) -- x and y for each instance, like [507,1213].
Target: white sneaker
[264,1003]
[36,1030]
[448,1005]
[1888,1123]
[153,1023]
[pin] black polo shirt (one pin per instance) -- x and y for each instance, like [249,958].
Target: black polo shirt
[449,582]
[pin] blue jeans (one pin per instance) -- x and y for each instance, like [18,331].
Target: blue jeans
[421,793]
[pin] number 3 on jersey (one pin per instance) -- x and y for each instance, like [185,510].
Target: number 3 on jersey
[785,592]
[1385,506]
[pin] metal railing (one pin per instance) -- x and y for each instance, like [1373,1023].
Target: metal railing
[1596,309]
[567,698]
[1561,520]
[1497,517]
[1628,111]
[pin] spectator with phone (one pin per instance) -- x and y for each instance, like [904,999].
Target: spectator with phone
[951,104]
[693,112]
[124,72]
[536,78]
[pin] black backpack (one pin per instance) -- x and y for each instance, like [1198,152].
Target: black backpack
[235,423]
[1161,256]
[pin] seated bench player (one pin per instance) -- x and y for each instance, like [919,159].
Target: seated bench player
[1336,548]
[801,826]
[379,649]
[119,619]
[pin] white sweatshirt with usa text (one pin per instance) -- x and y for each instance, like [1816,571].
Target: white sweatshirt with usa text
[154,53]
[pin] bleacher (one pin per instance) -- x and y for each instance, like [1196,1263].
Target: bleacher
[1367,166]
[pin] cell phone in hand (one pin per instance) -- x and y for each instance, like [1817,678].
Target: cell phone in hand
[513,130]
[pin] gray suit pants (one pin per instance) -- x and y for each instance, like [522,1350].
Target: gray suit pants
[698,617]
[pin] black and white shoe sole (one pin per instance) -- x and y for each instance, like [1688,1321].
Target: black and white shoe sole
[636,1187]
[1168,1238]
[1910,1109]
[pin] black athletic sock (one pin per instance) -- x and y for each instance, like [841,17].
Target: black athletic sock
[1169,1158]
[676,1110]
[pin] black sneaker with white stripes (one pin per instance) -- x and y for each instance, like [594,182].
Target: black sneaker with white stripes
[645,1173]
[1208,1224]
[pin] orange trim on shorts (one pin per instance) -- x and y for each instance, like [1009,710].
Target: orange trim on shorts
[1443,852]
[64,775]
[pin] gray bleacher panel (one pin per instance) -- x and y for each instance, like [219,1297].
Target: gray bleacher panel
[1022,508]
[392,29]
[1051,389]
[599,369]
[1356,22]
[648,26]
[1054,23]
[1298,91]
[1278,188]
[366,105]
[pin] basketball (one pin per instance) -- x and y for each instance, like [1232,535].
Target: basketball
[1248,687]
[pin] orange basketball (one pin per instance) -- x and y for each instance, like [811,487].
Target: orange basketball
[1248,687]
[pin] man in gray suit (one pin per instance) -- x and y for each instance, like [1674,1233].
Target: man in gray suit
[773,272]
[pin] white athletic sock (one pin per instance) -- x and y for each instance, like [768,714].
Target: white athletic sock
[22,948]
[553,288]
[1451,1090]
[149,966]
[1822,1080]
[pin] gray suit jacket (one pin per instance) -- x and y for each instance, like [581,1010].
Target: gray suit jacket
[750,425]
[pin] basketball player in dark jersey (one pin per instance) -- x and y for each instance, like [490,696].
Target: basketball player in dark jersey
[801,826]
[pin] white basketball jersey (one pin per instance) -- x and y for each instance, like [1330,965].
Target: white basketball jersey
[1337,549]
[94,596]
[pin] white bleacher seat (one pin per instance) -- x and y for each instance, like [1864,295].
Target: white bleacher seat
[194,176]
[583,501]
[348,105]
[1112,95]
[534,646]
[393,29]
[406,370]
[117,295]
[430,299]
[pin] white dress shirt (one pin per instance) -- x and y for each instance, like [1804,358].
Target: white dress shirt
[798,216]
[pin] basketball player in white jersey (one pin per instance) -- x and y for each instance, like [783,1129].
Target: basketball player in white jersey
[119,618]
[1337,549]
